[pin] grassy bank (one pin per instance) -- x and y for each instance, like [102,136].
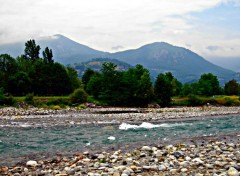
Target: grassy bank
[61,102]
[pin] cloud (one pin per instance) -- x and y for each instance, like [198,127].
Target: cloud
[117,48]
[102,24]
[213,48]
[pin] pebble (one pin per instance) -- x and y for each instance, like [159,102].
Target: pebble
[233,172]
[31,163]
[171,161]
[214,157]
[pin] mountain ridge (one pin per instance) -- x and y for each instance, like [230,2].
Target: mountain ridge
[157,57]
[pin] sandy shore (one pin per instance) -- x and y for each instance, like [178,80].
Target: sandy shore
[215,155]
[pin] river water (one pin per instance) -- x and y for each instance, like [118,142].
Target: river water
[21,140]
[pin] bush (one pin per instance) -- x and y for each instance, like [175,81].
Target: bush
[9,101]
[58,101]
[230,102]
[56,107]
[195,101]
[29,98]
[6,100]
[79,96]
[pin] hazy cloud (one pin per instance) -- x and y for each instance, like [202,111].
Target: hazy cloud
[213,48]
[117,48]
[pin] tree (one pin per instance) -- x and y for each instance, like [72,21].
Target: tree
[186,90]
[208,85]
[31,51]
[87,76]
[94,85]
[79,96]
[19,84]
[163,88]
[231,88]
[73,77]
[128,88]
[8,67]
[137,85]
[48,56]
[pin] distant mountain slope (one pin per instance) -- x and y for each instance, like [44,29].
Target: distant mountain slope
[186,65]
[158,57]
[65,50]
[96,64]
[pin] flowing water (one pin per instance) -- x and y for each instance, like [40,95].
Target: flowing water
[23,140]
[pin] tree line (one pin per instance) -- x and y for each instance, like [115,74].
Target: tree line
[135,88]
[29,73]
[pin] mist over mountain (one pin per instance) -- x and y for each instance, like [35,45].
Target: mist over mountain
[233,63]
[158,57]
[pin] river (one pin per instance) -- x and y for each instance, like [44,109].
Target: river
[21,141]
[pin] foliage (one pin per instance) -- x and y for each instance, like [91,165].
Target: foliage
[29,98]
[48,56]
[208,85]
[31,51]
[79,96]
[129,88]
[231,88]
[6,100]
[87,76]
[195,101]
[163,88]
[73,78]
[31,74]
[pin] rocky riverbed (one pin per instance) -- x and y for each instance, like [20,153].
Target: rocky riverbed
[44,117]
[217,157]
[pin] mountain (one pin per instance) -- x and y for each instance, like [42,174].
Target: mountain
[96,64]
[65,50]
[185,65]
[158,57]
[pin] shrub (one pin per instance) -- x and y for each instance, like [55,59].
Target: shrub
[195,101]
[58,101]
[6,100]
[82,106]
[228,102]
[29,98]
[79,96]
[9,101]
[56,107]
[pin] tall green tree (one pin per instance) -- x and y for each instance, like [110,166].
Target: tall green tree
[19,84]
[231,88]
[8,67]
[73,78]
[87,76]
[31,51]
[48,56]
[208,85]
[163,88]
[137,85]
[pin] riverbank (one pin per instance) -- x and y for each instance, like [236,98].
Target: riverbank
[198,156]
[206,155]
[35,117]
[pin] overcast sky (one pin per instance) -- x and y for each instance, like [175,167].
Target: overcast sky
[209,27]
